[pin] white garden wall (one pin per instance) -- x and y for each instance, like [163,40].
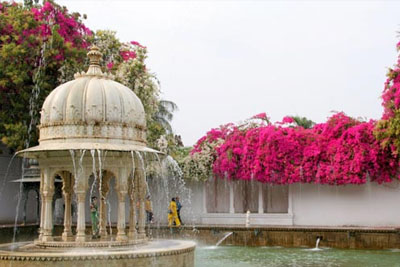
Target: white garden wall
[369,205]
[351,205]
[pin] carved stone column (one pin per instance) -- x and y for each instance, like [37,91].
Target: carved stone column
[80,192]
[81,223]
[122,190]
[132,209]
[141,186]
[68,183]
[104,189]
[38,208]
[41,205]
[48,192]
[25,201]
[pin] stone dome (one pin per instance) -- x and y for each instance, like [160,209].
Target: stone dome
[92,112]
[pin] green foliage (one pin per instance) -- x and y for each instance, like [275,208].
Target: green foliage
[164,114]
[14,133]
[130,69]
[154,132]
[38,53]
[303,122]
[30,60]
[388,132]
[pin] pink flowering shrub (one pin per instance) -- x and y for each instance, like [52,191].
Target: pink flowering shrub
[38,43]
[69,28]
[286,120]
[341,151]
[388,128]
[127,54]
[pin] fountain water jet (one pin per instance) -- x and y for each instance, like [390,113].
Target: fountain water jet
[94,113]
[223,238]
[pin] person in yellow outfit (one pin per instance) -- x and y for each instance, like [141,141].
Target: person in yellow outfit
[173,219]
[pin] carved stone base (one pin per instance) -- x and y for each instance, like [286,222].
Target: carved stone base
[80,238]
[141,236]
[67,237]
[47,238]
[167,253]
[109,242]
[122,238]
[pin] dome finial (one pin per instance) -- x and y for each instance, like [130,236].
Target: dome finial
[94,55]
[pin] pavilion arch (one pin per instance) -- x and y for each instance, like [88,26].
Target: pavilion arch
[26,200]
[130,185]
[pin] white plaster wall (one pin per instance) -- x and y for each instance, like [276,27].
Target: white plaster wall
[192,209]
[350,205]
[192,206]
[370,205]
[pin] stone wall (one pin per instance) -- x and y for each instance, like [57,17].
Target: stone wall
[347,238]
[341,237]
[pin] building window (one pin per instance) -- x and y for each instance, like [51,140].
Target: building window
[245,194]
[217,195]
[223,196]
[275,198]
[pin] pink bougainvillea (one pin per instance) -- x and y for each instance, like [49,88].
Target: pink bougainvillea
[68,27]
[137,44]
[391,94]
[341,151]
[287,119]
[110,65]
[262,116]
[49,20]
[127,54]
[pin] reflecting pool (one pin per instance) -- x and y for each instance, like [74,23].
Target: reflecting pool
[236,256]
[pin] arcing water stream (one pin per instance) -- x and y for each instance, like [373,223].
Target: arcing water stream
[223,238]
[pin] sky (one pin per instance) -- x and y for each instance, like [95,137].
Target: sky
[225,61]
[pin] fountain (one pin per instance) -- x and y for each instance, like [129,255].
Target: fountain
[319,238]
[94,127]
[223,238]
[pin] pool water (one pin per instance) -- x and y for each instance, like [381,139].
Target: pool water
[236,256]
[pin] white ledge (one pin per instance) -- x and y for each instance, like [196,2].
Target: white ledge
[240,218]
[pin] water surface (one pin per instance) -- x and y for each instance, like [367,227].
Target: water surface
[236,256]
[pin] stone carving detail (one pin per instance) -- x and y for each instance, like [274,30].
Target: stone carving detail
[94,114]
[44,116]
[58,114]
[113,113]
[76,114]
[115,256]
[91,131]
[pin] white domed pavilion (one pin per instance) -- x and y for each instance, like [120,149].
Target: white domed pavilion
[94,127]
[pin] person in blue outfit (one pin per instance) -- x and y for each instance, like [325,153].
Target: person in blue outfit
[178,208]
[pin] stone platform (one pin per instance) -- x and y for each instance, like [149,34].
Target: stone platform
[176,253]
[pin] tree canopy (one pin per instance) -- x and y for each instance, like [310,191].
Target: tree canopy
[43,46]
